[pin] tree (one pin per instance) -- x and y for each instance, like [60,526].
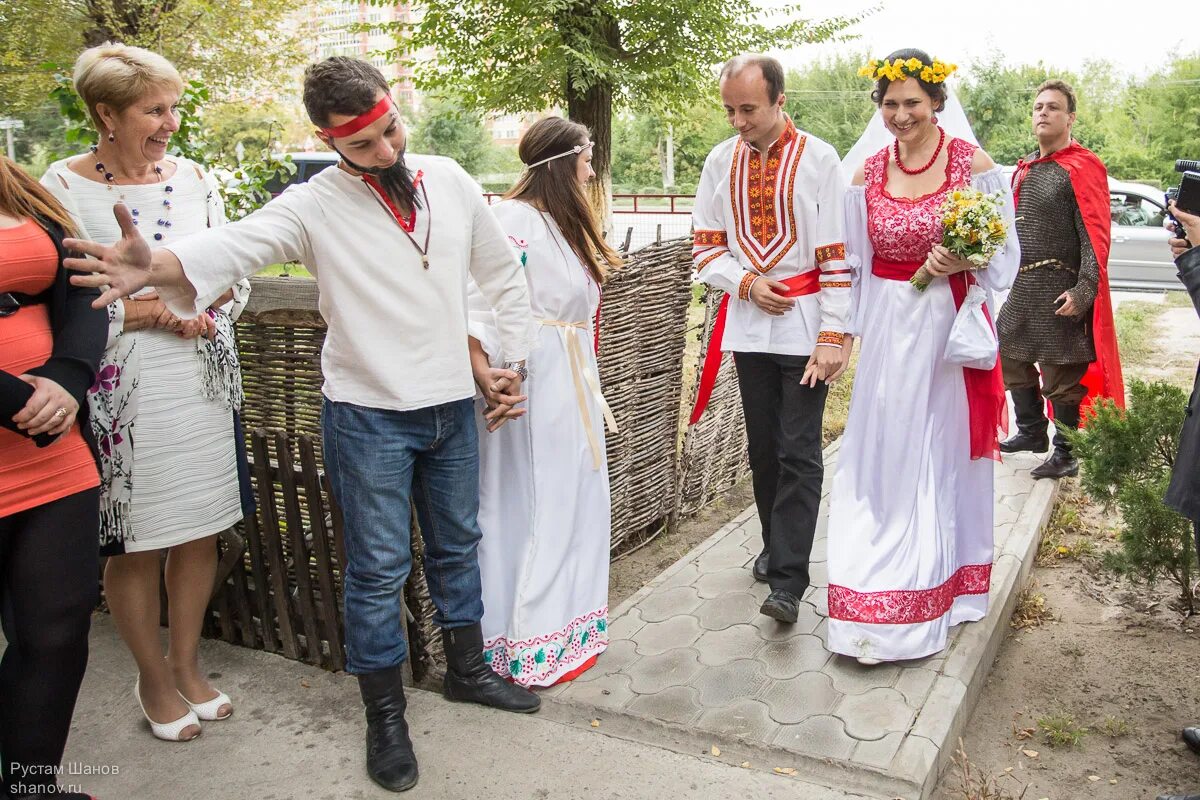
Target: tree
[591,56]
[241,44]
[831,101]
[445,128]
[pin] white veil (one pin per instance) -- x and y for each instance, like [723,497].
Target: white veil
[952,119]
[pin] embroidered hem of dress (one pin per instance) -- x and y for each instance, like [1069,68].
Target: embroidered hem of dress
[908,606]
[547,659]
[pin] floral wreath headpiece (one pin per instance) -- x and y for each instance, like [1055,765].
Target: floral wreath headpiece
[901,69]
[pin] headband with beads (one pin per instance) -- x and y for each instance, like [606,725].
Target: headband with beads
[901,69]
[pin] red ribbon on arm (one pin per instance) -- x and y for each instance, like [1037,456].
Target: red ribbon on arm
[798,285]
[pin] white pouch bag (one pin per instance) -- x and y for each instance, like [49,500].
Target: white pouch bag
[972,341]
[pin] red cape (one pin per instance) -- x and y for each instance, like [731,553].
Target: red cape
[1089,180]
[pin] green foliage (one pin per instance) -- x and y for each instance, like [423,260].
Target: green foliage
[248,187]
[252,125]
[445,128]
[830,100]
[639,146]
[1127,458]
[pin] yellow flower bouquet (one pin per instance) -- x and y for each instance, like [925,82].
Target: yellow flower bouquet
[972,228]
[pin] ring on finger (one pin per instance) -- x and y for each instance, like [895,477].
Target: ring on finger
[61,413]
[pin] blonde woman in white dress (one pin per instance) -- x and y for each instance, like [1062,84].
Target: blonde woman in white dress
[163,403]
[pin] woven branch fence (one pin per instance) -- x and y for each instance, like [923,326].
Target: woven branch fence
[283,592]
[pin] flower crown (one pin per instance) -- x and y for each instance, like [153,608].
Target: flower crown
[900,70]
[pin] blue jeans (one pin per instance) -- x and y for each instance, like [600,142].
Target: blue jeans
[378,461]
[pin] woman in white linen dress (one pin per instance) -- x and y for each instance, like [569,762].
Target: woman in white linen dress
[162,408]
[910,527]
[543,484]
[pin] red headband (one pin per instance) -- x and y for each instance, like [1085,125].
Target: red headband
[362,120]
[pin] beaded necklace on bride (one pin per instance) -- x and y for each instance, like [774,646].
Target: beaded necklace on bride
[936,152]
[110,180]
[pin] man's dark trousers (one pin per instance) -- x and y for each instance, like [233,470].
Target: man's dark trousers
[783,429]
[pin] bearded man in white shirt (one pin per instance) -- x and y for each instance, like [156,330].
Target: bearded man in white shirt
[768,230]
[391,241]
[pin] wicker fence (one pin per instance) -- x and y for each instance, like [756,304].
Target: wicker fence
[284,594]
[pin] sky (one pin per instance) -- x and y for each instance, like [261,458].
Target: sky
[1135,37]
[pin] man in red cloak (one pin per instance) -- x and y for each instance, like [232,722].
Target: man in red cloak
[1058,318]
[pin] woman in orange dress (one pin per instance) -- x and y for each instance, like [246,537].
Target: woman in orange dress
[51,340]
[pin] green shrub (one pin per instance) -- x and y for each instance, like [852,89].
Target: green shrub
[1127,458]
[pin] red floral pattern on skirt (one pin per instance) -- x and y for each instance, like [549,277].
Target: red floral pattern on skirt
[908,606]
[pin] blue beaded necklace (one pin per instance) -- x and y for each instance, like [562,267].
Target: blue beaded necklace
[164,221]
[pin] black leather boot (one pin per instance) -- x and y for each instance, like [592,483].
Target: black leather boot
[1061,463]
[469,679]
[391,761]
[1031,423]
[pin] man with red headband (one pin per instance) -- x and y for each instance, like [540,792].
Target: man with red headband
[391,242]
[768,231]
[1058,319]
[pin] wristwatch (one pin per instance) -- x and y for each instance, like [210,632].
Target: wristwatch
[518,367]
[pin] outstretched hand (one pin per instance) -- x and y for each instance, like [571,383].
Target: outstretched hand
[119,269]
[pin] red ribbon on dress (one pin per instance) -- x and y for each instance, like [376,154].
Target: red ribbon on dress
[986,406]
[798,285]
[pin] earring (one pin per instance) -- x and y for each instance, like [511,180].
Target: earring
[112,137]
[933,119]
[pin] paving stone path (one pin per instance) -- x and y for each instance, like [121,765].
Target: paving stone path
[693,664]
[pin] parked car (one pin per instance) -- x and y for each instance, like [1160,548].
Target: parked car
[307,165]
[1139,258]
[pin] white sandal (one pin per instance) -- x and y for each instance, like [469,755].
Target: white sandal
[209,709]
[167,731]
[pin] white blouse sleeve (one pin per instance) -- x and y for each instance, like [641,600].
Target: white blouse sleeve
[481,317]
[1002,269]
[858,254]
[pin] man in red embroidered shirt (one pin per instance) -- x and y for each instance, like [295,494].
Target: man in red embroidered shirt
[768,230]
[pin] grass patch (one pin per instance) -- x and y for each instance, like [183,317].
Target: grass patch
[1061,730]
[1178,300]
[285,271]
[975,784]
[1115,727]
[1031,610]
[1135,330]
[1067,535]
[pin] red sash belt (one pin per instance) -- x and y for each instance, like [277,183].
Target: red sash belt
[798,285]
[987,409]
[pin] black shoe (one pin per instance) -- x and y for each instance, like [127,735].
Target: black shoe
[1031,423]
[1191,735]
[760,567]
[469,679]
[781,605]
[391,762]
[1061,463]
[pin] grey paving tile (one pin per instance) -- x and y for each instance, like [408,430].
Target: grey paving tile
[659,637]
[608,692]
[737,680]
[651,674]
[666,603]
[626,625]
[1008,485]
[787,659]
[915,683]
[728,609]
[684,576]
[879,752]
[796,699]
[874,714]
[678,704]
[746,719]
[818,598]
[821,736]
[618,655]
[725,554]
[818,574]
[753,527]
[1004,514]
[851,677]
[728,644]
[714,584]
[1015,502]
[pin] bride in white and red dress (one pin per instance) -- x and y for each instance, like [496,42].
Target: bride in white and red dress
[910,527]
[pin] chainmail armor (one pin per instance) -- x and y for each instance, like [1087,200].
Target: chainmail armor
[1050,227]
